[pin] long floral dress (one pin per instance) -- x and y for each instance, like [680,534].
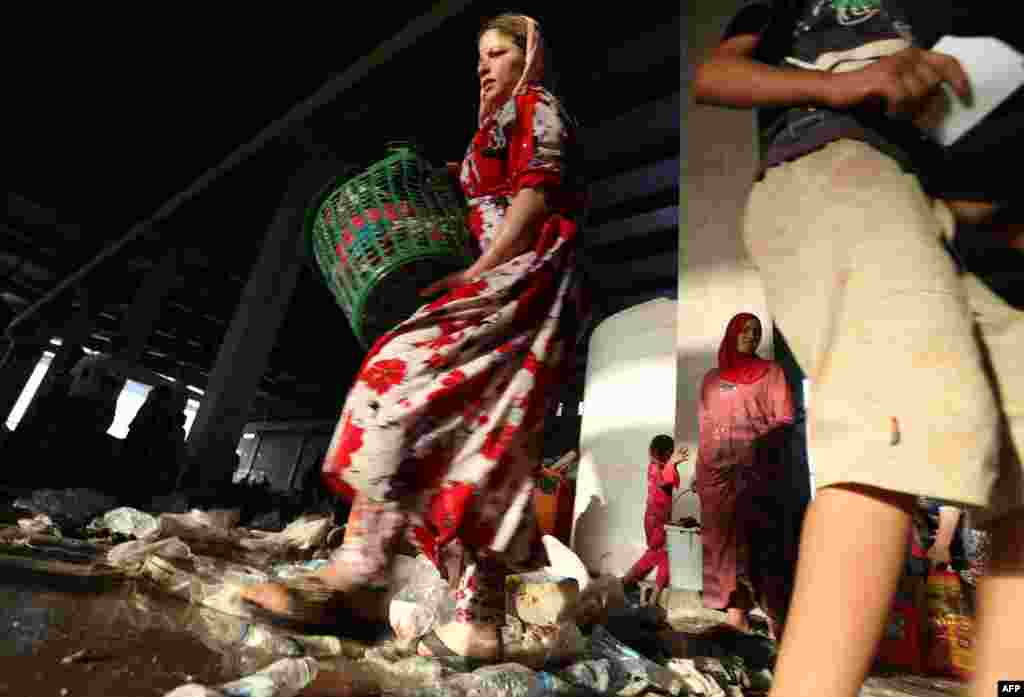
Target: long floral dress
[442,429]
[738,475]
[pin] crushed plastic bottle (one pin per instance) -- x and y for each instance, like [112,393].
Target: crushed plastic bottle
[503,680]
[285,678]
[422,600]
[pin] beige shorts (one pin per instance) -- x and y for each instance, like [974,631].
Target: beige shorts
[916,371]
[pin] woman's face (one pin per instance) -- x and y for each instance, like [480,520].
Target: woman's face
[501,65]
[750,337]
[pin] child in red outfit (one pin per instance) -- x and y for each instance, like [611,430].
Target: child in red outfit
[662,478]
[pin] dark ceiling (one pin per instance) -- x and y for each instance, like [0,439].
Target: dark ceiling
[130,117]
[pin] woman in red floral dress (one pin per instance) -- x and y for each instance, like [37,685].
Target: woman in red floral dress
[441,431]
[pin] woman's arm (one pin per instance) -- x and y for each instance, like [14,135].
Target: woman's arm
[518,232]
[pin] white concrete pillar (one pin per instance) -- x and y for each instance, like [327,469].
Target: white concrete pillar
[716,279]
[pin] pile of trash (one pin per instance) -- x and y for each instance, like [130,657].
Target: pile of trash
[566,633]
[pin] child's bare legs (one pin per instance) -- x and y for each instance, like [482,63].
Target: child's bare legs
[852,551]
[1000,644]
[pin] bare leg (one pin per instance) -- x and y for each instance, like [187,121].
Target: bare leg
[357,570]
[1000,644]
[851,555]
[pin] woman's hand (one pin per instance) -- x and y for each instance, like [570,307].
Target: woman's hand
[450,282]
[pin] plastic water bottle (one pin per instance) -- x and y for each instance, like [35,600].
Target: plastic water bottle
[285,678]
[504,680]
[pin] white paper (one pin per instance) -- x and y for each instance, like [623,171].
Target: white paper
[995,71]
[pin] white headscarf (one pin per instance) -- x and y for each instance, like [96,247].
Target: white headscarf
[533,68]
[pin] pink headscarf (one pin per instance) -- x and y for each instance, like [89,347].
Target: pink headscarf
[533,68]
[733,366]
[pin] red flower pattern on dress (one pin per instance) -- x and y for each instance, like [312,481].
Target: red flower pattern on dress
[466,290]
[437,361]
[448,383]
[382,375]
[340,459]
[437,343]
[448,507]
[351,441]
[497,442]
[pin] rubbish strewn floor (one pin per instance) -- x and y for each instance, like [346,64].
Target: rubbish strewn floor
[125,640]
[134,644]
[70,627]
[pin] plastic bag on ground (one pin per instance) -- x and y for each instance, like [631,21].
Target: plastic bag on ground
[305,533]
[126,521]
[633,673]
[128,554]
[196,525]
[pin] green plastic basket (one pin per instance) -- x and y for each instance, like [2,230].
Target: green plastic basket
[383,235]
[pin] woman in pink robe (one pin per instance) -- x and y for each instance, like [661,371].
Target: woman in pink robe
[744,404]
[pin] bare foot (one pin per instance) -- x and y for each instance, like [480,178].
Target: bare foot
[474,640]
[271,596]
[366,604]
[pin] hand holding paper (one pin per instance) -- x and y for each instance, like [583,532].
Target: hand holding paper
[995,71]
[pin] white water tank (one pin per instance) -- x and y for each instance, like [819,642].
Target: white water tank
[629,397]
